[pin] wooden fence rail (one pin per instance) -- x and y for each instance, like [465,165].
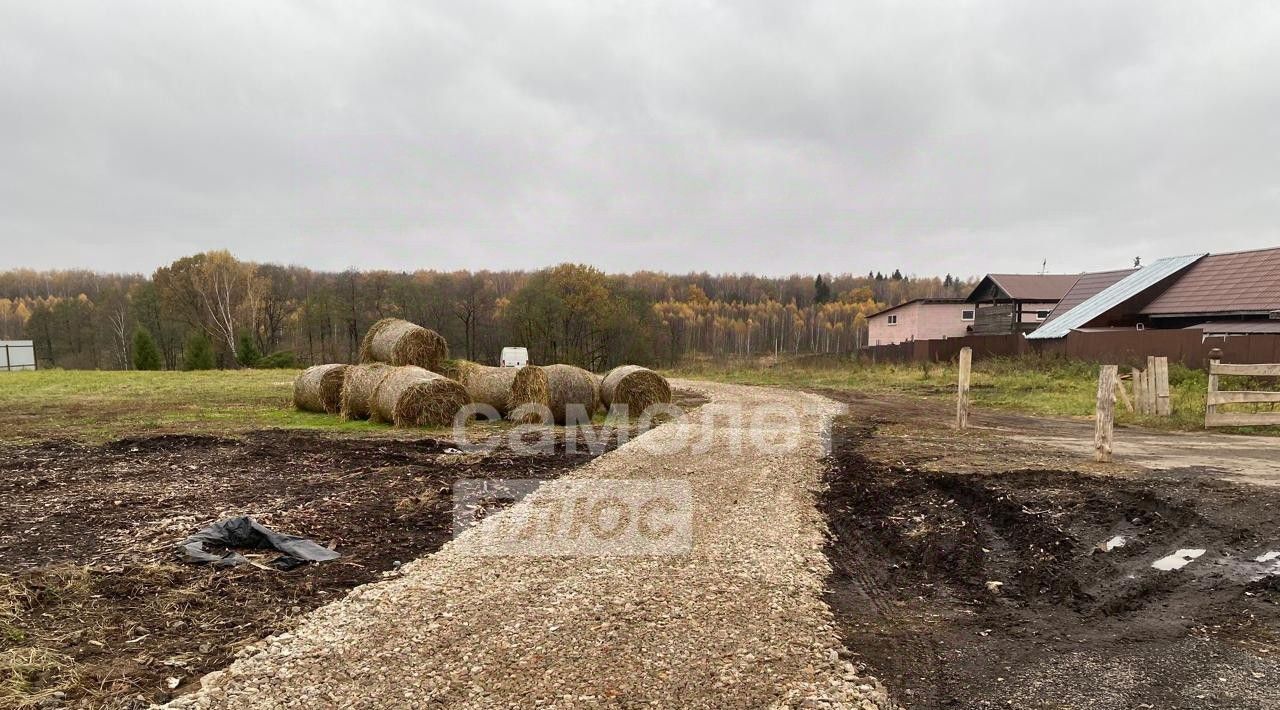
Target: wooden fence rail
[1213,417]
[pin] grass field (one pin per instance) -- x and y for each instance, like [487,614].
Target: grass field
[1027,385]
[94,405]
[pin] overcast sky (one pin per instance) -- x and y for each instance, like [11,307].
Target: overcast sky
[764,135]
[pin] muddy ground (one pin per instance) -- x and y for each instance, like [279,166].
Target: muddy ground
[961,585]
[97,610]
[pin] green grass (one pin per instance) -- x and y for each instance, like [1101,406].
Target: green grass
[97,406]
[1065,388]
[92,406]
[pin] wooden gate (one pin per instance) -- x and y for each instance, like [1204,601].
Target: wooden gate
[1216,398]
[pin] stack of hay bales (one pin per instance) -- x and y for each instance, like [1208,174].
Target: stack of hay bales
[637,388]
[319,389]
[506,389]
[413,396]
[399,342]
[393,384]
[569,387]
[397,383]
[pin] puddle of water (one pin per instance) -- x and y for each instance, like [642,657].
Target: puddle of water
[1177,560]
[1268,557]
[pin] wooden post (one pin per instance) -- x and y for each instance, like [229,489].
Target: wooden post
[1150,385]
[1104,428]
[1211,409]
[1164,407]
[1139,391]
[962,390]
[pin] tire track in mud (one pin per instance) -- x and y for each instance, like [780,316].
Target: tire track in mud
[861,585]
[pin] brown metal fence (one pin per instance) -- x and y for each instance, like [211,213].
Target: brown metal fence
[984,346]
[1130,348]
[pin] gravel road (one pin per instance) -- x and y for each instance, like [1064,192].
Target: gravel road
[737,620]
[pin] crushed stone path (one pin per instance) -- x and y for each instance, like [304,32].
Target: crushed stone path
[736,621]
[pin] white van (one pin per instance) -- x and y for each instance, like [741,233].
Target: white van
[514,357]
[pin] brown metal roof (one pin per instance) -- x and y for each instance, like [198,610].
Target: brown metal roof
[1086,287]
[1243,282]
[1035,287]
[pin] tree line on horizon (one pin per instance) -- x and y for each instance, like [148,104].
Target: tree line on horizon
[213,310]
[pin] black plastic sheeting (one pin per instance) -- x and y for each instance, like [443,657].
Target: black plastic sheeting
[245,532]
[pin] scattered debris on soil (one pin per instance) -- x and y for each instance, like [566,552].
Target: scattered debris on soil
[98,610]
[243,531]
[1034,588]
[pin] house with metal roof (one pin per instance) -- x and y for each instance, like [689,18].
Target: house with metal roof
[1120,304]
[1221,294]
[1017,303]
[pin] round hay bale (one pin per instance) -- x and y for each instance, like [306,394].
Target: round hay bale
[412,396]
[453,369]
[503,388]
[399,342]
[636,387]
[568,385]
[319,389]
[529,386]
[358,386]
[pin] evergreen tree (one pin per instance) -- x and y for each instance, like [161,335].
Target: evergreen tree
[247,354]
[897,275]
[281,359]
[146,356]
[199,353]
[821,291]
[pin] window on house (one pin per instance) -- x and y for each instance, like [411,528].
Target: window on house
[893,320]
[966,314]
[1041,315]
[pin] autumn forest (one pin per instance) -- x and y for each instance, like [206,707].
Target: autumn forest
[213,310]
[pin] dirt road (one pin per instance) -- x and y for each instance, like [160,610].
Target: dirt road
[1246,459]
[738,620]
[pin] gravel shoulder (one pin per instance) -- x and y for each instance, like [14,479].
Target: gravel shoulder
[738,620]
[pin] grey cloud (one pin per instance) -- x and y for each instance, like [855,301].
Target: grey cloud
[752,136]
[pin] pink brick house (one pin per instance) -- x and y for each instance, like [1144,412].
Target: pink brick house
[921,319]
